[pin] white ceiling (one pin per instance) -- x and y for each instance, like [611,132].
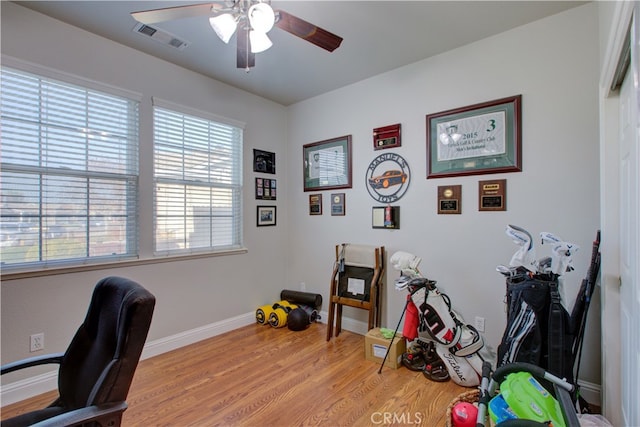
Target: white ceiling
[378,36]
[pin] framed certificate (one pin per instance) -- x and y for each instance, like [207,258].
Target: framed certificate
[477,139]
[327,164]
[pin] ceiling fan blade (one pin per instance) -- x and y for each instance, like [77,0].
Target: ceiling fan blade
[307,31]
[169,13]
[244,57]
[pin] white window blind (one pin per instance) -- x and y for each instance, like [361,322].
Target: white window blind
[198,183]
[69,159]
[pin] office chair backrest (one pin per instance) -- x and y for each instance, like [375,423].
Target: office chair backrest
[99,364]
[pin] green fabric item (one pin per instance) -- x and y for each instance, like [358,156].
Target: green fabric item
[387,333]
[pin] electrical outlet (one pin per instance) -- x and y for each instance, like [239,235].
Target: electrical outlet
[36,342]
[480,323]
[303,286]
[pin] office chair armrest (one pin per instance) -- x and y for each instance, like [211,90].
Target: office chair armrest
[84,415]
[32,361]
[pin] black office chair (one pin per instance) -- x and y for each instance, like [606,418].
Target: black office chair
[97,369]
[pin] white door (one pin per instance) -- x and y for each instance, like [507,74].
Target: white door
[630,234]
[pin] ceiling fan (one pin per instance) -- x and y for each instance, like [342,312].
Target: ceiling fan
[253,19]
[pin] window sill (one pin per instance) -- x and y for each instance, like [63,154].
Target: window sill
[24,274]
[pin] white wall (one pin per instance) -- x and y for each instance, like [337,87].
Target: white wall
[190,294]
[553,63]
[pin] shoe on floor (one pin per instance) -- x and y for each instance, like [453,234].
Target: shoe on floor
[436,371]
[414,361]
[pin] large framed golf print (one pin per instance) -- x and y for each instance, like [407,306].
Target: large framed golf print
[477,139]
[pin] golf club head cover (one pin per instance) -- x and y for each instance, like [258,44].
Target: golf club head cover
[562,257]
[547,237]
[526,255]
[404,261]
[561,252]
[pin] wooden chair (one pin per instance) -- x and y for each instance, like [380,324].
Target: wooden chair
[356,281]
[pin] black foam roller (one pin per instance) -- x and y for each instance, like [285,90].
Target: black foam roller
[299,297]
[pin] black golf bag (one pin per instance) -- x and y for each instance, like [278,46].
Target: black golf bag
[539,329]
[538,326]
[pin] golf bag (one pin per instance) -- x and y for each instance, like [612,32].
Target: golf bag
[539,329]
[538,326]
[456,343]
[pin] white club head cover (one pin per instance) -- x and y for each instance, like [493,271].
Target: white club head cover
[561,252]
[561,258]
[547,237]
[404,261]
[526,255]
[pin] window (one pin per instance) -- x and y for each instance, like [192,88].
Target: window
[69,177]
[198,182]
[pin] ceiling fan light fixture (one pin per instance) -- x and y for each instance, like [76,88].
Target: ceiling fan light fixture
[259,41]
[261,17]
[224,25]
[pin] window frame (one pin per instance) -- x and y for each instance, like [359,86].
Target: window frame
[195,113]
[47,265]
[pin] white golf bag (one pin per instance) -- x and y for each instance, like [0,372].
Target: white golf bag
[457,343]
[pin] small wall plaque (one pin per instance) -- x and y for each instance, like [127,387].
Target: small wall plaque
[450,199]
[337,204]
[386,137]
[492,195]
[315,204]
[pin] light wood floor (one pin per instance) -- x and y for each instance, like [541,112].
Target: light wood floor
[261,376]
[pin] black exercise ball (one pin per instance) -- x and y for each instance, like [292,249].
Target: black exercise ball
[298,319]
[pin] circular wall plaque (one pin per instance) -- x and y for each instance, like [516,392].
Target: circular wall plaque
[388,177]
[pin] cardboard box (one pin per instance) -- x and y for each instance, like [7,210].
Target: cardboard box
[375,347]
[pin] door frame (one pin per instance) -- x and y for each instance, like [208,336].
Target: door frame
[610,214]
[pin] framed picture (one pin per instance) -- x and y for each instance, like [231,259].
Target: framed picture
[315,204]
[265,189]
[477,139]
[385,217]
[327,164]
[265,215]
[337,204]
[386,137]
[264,161]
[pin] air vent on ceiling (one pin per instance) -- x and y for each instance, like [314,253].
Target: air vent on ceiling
[160,36]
